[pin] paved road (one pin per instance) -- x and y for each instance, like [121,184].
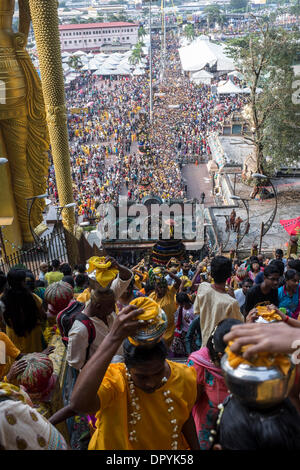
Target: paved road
[198,181]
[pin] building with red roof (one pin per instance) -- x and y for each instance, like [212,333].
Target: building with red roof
[95,36]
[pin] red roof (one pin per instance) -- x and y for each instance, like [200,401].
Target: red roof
[95,25]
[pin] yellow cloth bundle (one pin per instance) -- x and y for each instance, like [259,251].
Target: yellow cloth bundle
[104,273]
[187,283]
[150,307]
[267,314]
[262,359]
[137,282]
[151,313]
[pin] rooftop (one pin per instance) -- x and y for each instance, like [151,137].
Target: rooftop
[116,24]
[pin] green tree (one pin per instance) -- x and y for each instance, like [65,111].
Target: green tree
[75,62]
[295,9]
[265,59]
[189,32]
[141,32]
[137,53]
[213,14]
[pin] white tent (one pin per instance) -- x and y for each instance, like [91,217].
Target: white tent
[248,91]
[202,76]
[203,52]
[65,67]
[79,53]
[122,70]
[229,88]
[106,71]
[138,71]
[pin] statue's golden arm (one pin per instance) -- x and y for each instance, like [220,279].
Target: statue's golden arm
[24,17]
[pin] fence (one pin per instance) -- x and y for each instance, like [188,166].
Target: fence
[51,247]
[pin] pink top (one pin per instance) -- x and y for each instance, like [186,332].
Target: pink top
[205,411]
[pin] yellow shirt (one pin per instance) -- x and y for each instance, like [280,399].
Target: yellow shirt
[10,352]
[169,306]
[30,343]
[154,430]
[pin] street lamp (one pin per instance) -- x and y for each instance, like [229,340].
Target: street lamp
[150,60]
[61,208]
[30,203]
[265,227]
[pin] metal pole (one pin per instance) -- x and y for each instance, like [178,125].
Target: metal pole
[150,58]
[261,236]
[165,47]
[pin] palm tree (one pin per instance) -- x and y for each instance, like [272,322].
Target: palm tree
[141,32]
[137,53]
[189,32]
[75,62]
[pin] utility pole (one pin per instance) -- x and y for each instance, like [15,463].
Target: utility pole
[150,68]
[163,39]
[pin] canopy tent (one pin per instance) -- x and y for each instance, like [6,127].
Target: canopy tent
[87,67]
[202,76]
[124,70]
[66,68]
[138,71]
[203,52]
[248,91]
[79,53]
[106,71]
[229,88]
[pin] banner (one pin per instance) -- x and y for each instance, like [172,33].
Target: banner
[292,226]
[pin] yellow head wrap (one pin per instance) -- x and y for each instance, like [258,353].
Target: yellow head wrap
[262,359]
[150,314]
[188,283]
[104,273]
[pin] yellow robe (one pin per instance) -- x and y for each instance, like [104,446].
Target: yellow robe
[154,430]
[169,306]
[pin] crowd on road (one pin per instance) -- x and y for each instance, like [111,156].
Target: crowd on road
[115,150]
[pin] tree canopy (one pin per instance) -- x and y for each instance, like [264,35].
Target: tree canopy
[265,59]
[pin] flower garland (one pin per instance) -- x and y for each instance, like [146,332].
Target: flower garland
[135,415]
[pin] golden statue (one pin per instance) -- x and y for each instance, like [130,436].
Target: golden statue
[23,128]
[26,129]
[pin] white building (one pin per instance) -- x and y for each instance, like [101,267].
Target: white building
[93,36]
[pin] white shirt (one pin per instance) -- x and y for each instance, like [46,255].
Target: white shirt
[78,334]
[240,296]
